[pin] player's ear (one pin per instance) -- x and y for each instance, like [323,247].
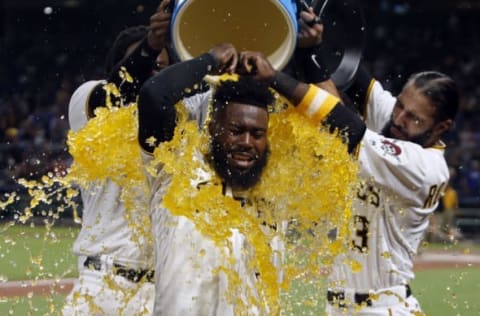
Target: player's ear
[442,127]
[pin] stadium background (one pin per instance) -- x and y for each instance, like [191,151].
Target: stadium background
[45,54]
[47,48]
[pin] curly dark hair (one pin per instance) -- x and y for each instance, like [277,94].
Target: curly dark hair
[246,90]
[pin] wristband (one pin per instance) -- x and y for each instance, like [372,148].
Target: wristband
[284,84]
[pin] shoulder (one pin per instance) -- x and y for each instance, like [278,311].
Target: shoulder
[380,103]
[197,106]
[406,161]
[78,105]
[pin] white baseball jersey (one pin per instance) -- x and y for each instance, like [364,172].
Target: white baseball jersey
[400,185]
[105,229]
[187,282]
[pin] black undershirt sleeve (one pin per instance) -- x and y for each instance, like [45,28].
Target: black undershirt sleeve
[348,123]
[341,118]
[159,94]
[358,91]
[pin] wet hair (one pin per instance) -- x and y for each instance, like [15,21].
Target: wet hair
[246,90]
[441,90]
[123,40]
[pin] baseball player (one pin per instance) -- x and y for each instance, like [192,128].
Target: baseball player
[115,259]
[187,278]
[403,173]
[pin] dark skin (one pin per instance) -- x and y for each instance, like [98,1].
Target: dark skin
[159,27]
[239,137]
[239,144]
[242,129]
[257,65]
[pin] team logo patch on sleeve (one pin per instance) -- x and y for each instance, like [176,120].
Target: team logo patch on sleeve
[390,148]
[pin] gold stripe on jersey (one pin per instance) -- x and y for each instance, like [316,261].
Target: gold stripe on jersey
[317,103]
[356,152]
[367,96]
[440,145]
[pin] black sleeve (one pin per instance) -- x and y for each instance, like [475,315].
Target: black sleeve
[350,125]
[341,118]
[159,94]
[138,65]
[357,93]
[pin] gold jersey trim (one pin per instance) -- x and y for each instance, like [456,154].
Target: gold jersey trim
[317,103]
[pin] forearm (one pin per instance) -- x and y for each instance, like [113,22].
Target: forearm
[359,91]
[322,107]
[330,87]
[289,87]
[156,111]
[138,66]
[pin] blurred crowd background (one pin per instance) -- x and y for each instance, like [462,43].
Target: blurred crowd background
[48,48]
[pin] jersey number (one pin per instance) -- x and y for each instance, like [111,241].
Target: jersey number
[369,194]
[360,241]
[434,195]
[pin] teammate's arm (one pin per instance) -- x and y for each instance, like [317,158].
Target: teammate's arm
[310,51]
[360,89]
[312,101]
[156,111]
[137,64]
[321,106]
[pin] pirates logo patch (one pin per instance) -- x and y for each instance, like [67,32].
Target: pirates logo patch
[390,148]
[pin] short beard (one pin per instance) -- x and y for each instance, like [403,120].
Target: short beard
[420,139]
[236,178]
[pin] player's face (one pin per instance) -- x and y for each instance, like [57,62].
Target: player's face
[239,144]
[413,118]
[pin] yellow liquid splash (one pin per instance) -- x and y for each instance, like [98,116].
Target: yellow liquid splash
[308,182]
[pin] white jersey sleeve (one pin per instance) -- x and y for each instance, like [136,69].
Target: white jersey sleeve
[197,106]
[379,107]
[400,185]
[106,227]
[414,173]
[78,106]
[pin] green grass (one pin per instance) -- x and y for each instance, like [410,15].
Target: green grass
[448,292]
[34,306]
[445,292]
[36,252]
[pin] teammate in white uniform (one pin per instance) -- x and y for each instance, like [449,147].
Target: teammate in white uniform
[403,173]
[115,259]
[187,282]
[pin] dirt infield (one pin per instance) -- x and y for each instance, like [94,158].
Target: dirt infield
[41,287]
[424,261]
[438,260]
